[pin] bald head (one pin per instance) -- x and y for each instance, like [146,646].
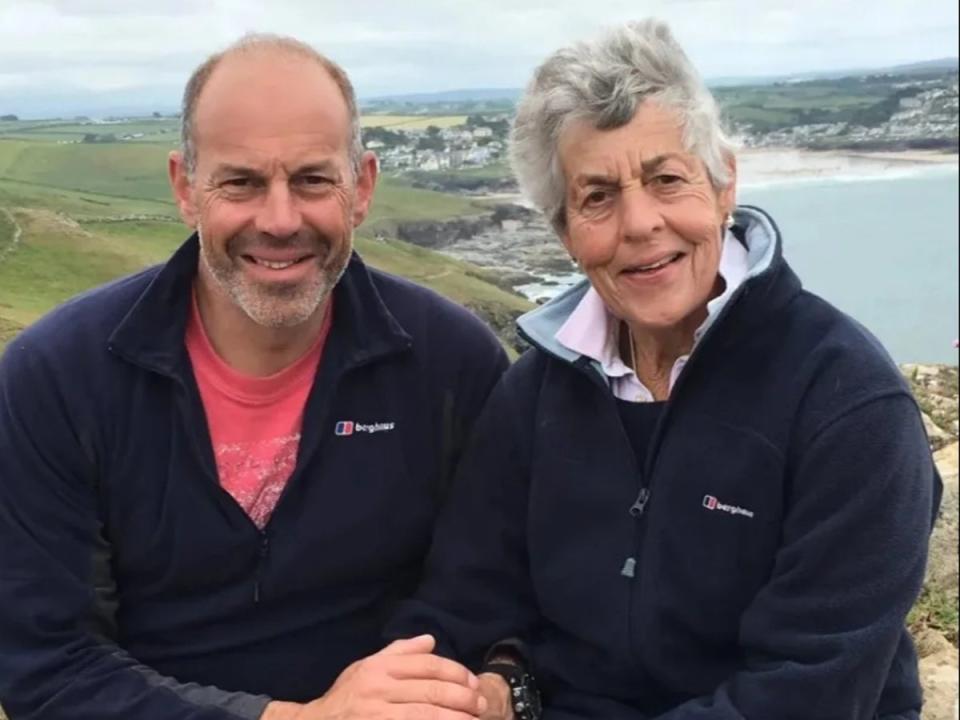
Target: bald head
[289,61]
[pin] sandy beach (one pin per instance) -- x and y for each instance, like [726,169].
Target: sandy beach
[773,166]
[764,166]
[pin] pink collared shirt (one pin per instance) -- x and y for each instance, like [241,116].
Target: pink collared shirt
[592,331]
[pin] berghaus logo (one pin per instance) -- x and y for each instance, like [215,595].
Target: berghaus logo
[349,427]
[711,503]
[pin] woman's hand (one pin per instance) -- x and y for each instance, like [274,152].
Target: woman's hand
[495,690]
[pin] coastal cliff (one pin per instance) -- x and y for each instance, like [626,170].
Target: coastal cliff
[934,619]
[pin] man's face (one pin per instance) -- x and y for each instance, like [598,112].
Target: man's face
[273,197]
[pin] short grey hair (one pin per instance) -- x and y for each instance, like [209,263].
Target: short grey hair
[258,42]
[603,81]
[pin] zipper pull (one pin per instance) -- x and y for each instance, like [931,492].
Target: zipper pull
[640,504]
[629,567]
[264,546]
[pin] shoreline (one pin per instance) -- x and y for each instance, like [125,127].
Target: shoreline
[759,167]
[923,157]
[771,166]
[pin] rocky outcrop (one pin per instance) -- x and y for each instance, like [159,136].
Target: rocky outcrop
[510,236]
[937,641]
[938,671]
[935,387]
[462,184]
[511,240]
[440,234]
[942,569]
[934,619]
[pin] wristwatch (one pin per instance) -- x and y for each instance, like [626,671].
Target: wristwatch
[524,696]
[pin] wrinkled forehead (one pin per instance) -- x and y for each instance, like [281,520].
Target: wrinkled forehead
[273,104]
[653,131]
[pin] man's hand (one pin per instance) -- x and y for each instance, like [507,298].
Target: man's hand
[404,681]
[276,710]
[497,694]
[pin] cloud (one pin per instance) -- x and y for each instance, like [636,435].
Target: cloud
[388,47]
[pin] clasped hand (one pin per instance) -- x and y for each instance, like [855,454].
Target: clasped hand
[404,681]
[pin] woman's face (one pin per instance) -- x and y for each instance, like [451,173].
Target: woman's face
[643,220]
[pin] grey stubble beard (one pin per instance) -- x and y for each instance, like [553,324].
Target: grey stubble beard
[282,306]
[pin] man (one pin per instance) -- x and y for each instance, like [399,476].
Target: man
[217,477]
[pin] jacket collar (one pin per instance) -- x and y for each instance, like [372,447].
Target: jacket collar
[151,334]
[754,227]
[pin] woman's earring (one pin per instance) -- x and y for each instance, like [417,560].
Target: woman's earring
[729,222]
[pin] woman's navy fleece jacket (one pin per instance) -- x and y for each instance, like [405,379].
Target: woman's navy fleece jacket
[768,575]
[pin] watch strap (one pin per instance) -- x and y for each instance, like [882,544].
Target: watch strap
[524,696]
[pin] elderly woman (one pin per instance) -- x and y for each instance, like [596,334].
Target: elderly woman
[704,493]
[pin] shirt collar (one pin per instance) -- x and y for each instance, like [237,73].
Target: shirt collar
[151,333]
[593,332]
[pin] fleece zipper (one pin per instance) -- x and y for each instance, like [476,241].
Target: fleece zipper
[640,508]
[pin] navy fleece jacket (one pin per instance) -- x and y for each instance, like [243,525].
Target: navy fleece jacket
[133,586]
[789,495]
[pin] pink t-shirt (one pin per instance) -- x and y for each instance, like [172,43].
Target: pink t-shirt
[254,422]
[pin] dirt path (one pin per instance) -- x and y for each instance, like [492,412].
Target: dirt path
[12,245]
[442,273]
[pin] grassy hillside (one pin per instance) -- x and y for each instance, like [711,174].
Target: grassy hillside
[7,230]
[166,130]
[867,101]
[90,212]
[56,258]
[79,204]
[89,181]
[104,175]
[120,169]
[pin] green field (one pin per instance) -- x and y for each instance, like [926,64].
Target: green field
[78,204]
[166,130]
[7,228]
[110,172]
[782,105]
[118,169]
[412,122]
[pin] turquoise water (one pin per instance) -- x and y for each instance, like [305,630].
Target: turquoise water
[882,250]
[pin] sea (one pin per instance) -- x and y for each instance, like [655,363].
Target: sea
[884,249]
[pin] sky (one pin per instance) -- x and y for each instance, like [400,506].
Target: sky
[90,56]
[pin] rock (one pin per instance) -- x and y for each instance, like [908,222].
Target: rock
[938,673]
[937,436]
[437,234]
[510,211]
[947,460]
[931,643]
[511,236]
[942,569]
[935,388]
[939,657]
